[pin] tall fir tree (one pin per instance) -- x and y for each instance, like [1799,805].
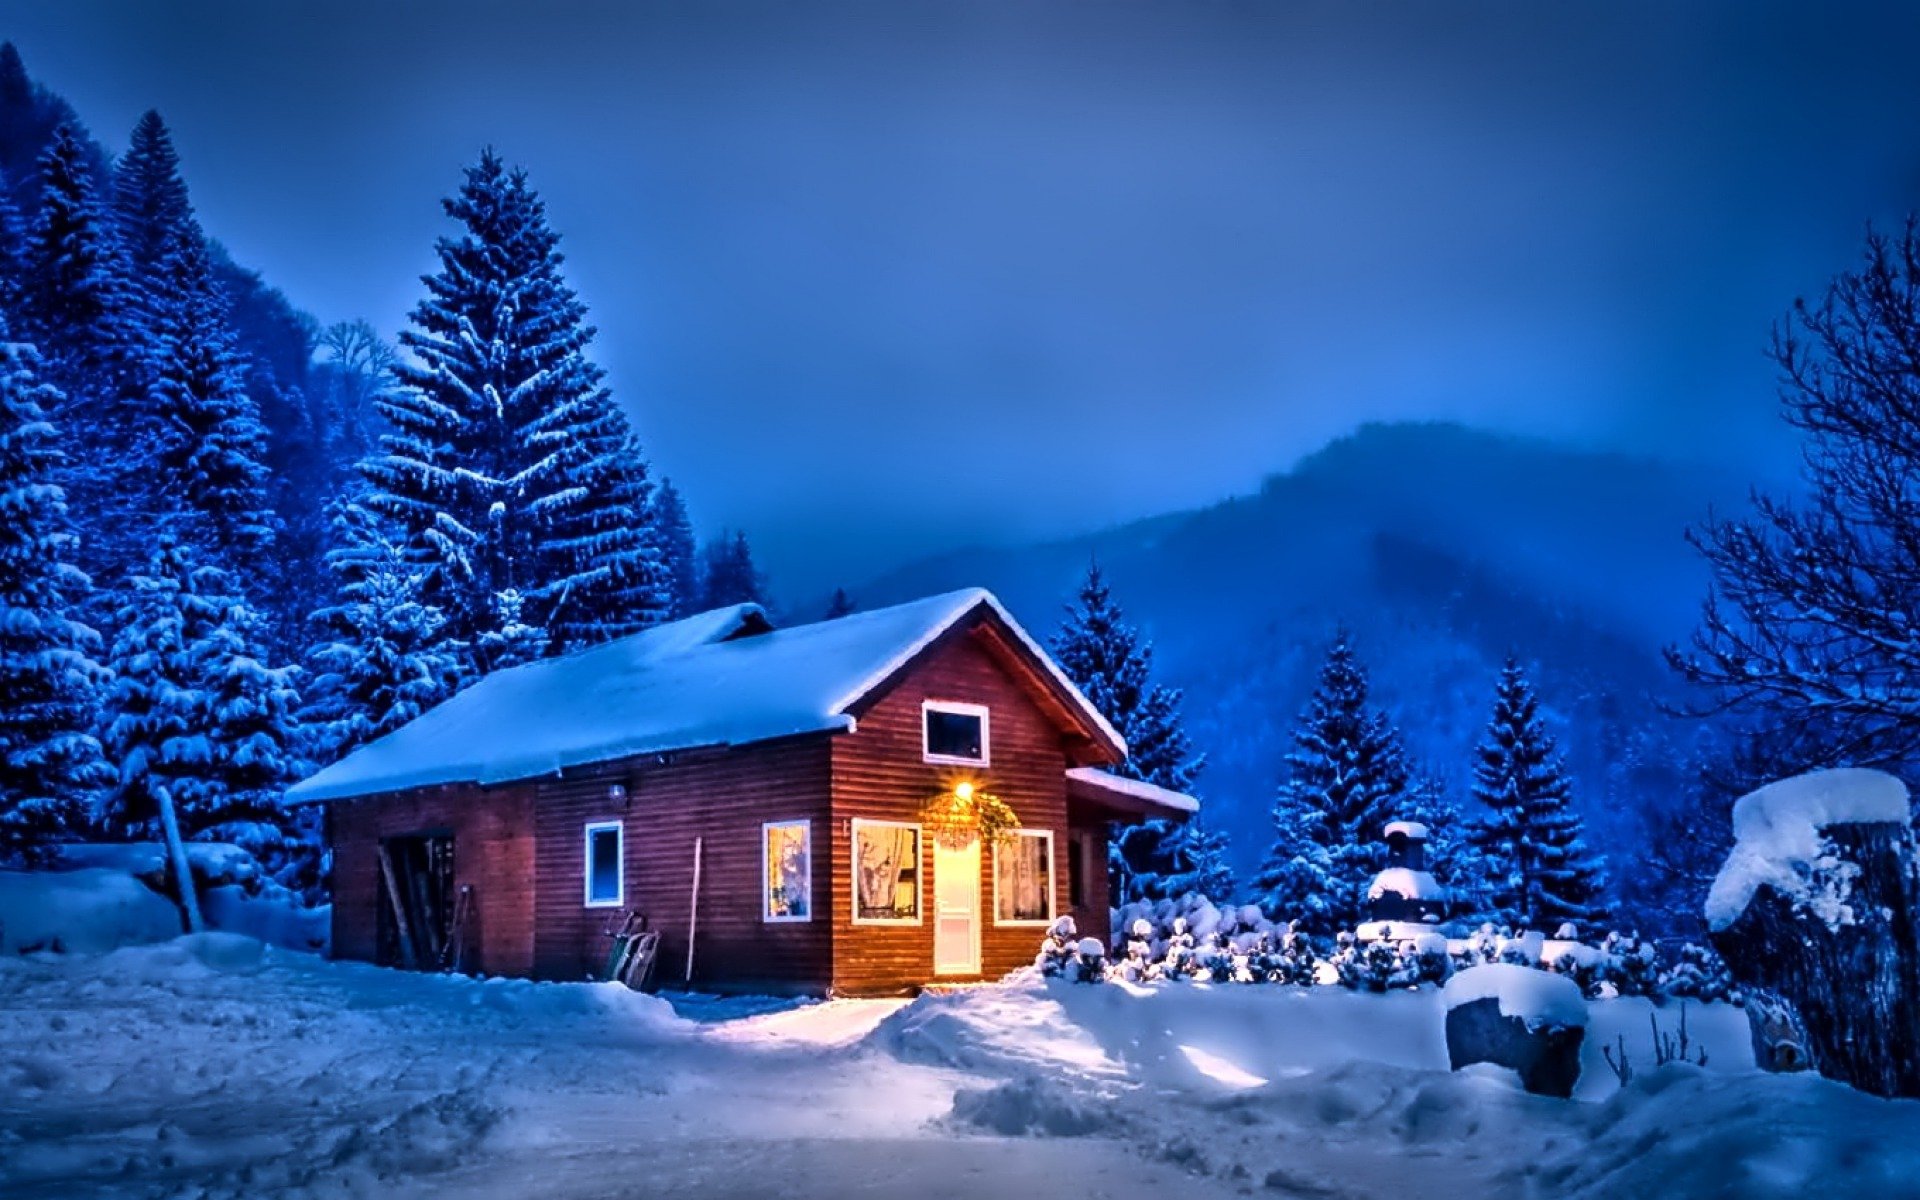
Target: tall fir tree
[728,574]
[74,302]
[1542,873]
[50,764]
[195,716]
[151,211]
[679,555]
[13,256]
[209,478]
[841,605]
[512,473]
[1112,665]
[379,662]
[1347,777]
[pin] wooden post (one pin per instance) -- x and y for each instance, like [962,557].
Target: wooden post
[400,921]
[693,909]
[177,854]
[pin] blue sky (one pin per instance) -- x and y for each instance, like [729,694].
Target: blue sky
[876,277]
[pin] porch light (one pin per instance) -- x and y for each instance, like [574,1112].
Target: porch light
[964,812]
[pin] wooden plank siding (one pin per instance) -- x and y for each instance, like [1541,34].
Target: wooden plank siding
[879,772]
[491,854]
[721,796]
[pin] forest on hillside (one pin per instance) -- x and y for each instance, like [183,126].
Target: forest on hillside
[241,544]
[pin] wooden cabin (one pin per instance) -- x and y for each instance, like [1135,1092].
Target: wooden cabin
[760,797]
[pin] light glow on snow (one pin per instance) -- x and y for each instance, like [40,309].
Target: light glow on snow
[1220,1070]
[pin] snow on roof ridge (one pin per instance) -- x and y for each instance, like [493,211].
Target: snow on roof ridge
[1140,788]
[684,684]
[1778,840]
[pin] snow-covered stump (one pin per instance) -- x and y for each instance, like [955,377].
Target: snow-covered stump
[1517,1017]
[1817,910]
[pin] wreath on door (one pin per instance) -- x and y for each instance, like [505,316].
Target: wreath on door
[964,812]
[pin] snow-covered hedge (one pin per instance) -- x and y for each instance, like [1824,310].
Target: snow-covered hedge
[1193,939]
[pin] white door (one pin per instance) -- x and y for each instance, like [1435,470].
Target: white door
[956,908]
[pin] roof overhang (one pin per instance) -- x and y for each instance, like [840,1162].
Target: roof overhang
[1127,798]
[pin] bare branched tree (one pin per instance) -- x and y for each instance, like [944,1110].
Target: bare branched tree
[1814,615]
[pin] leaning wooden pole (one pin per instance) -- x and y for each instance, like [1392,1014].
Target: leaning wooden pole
[693,909]
[177,854]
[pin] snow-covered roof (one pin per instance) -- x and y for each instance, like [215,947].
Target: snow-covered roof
[1777,841]
[694,682]
[1406,829]
[1148,794]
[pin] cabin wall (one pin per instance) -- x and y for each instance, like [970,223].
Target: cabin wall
[1093,915]
[879,772]
[721,797]
[493,854]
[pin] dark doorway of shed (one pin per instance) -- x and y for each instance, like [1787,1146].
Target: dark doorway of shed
[423,917]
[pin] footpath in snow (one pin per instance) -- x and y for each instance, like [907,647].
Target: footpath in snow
[214,1066]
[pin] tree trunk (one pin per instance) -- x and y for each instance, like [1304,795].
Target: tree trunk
[1854,988]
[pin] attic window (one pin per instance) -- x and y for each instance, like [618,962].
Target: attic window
[954,733]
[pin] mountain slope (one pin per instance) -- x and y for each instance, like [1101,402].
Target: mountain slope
[1443,549]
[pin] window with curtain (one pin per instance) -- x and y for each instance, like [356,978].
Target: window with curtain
[789,870]
[886,871]
[1023,878]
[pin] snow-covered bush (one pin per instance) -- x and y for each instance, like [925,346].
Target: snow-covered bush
[1697,973]
[1066,956]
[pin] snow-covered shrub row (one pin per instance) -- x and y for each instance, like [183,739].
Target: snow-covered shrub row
[1194,939]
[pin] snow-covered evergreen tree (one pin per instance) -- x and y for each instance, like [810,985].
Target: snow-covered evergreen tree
[13,255]
[1112,665]
[509,468]
[380,661]
[1347,777]
[1200,863]
[74,298]
[679,555]
[209,478]
[50,764]
[195,715]
[728,574]
[1452,858]
[1542,873]
[151,211]
[840,605]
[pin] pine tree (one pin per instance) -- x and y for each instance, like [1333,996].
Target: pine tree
[74,301]
[195,717]
[679,557]
[509,468]
[1346,778]
[150,208]
[841,605]
[49,682]
[1105,657]
[1200,863]
[1542,873]
[380,662]
[728,575]
[209,477]
[13,256]
[1452,858]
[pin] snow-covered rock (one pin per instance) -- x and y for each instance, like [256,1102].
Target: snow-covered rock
[1778,842]
[1537,997]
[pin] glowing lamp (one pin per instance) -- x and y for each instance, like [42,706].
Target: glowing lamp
[964,791]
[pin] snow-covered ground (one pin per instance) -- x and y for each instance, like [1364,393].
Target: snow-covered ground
[217,1066]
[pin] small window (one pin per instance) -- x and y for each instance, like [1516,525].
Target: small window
[787,866]
[955,733]
[1023,879]
[886,873]
[606,871]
